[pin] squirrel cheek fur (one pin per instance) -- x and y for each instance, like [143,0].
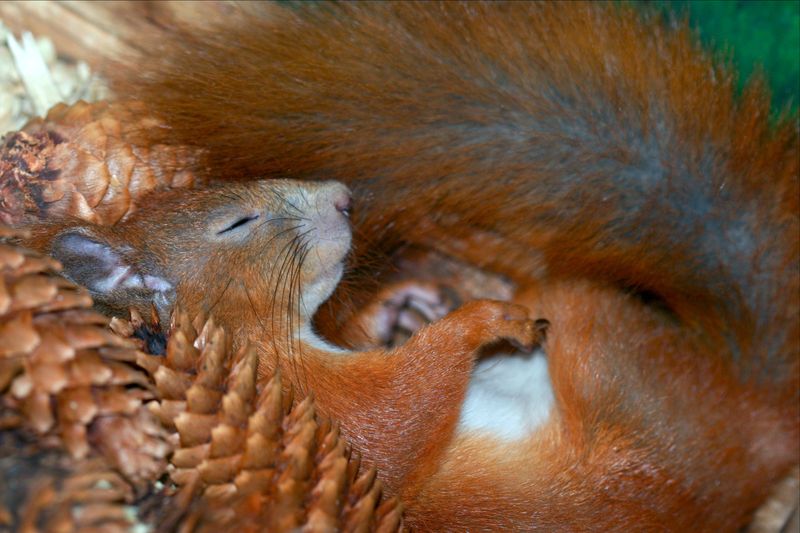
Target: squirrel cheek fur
[603,164]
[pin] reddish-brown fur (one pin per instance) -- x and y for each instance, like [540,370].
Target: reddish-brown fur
[601,162]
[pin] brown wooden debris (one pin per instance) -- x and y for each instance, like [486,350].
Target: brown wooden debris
[87,160]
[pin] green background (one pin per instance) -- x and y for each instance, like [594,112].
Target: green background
[765,33]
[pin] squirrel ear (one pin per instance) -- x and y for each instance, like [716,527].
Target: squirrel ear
[100,266]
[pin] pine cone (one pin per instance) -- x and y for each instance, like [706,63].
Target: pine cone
[244,459]
[62,370]
[89,161]
[46,491]
[67,384]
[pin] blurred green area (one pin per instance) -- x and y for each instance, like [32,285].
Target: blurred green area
[765,33]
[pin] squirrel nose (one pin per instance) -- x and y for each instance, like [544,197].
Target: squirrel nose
[344,203]
[342,199]
[330,197]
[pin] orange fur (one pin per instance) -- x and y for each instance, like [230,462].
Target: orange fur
[601,162]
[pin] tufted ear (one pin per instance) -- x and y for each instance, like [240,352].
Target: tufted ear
[102,266]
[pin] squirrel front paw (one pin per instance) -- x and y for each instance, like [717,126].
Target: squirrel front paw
[502,320]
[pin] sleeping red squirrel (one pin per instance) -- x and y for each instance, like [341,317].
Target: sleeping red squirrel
[601,163]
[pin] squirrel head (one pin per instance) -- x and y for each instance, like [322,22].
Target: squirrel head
[272,249]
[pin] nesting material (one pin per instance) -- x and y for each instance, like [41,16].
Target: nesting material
[85,160]
[781,512]
[33,77]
